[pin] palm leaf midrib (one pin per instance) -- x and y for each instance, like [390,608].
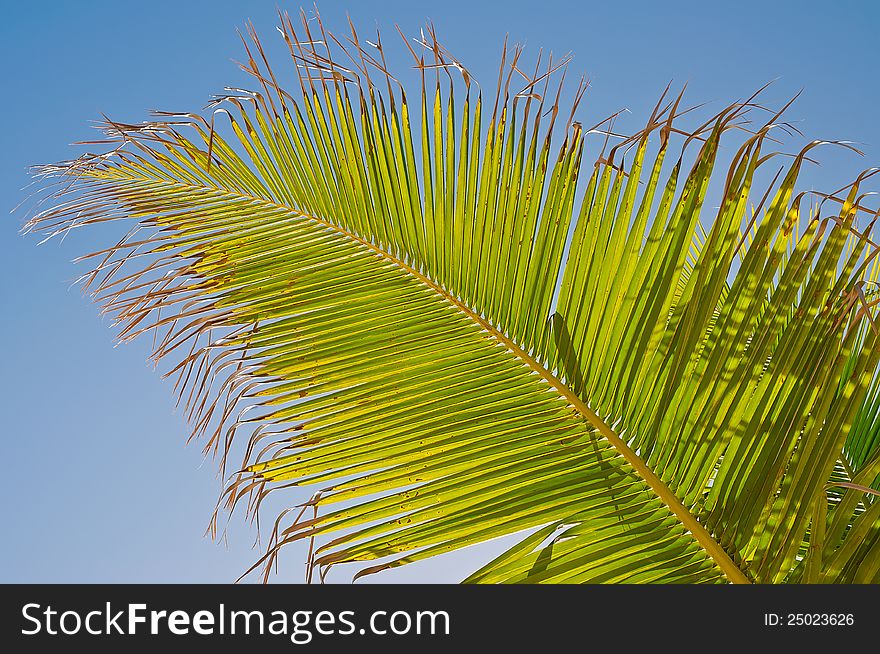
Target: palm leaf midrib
[669,498]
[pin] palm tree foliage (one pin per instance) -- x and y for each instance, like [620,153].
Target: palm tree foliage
[452,328]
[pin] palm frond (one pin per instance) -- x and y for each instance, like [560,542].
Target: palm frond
[440,319]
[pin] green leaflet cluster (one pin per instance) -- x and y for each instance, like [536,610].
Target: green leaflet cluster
[401,318]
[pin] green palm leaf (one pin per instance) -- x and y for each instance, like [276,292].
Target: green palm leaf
[453,330]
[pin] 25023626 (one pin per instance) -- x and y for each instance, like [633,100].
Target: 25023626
[809,619]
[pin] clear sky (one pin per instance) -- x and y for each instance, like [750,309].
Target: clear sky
[96,483]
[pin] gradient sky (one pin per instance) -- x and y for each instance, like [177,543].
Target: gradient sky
[97,483]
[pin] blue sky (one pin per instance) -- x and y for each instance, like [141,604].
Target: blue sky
[97,483]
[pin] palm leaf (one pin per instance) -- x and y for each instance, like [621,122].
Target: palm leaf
[451,336]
